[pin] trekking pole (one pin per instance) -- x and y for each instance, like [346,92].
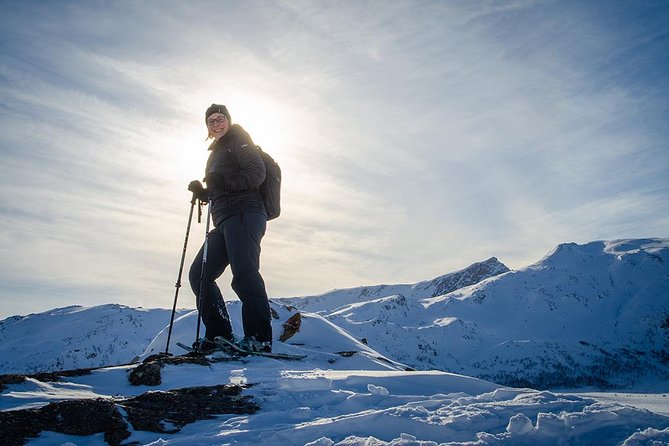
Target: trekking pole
[181,269]
[205,249]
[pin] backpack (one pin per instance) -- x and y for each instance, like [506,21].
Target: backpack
[270,189]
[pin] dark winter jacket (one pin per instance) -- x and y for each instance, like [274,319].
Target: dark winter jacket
[233,175]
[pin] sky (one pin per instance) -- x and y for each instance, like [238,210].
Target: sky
[414,137]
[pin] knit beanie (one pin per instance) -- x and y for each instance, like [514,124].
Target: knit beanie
[216,108]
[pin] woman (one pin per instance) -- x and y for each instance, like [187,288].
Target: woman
[233,175]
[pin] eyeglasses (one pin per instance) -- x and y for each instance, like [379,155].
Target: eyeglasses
[219,120]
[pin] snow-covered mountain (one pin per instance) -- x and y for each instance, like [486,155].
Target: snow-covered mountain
[584,315]
[438,286]
[342,394]
[83,337]
[597,308]
[77,337]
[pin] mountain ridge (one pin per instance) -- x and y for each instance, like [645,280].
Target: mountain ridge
[70,337]
[584,315]
[472,274]
[594,314]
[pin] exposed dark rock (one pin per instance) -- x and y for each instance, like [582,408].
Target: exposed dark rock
[10,379]
[291,327]
[145,374]
[55,376]
[171,410]
[79,417]
[148,372]
[156,411]
[471,275]
[347,354]
[44,377]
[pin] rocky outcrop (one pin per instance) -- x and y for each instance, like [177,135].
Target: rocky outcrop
[471,275]
[15,378]
[155,411]
[148,372]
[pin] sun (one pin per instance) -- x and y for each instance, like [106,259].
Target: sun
[183,149]
[263,118]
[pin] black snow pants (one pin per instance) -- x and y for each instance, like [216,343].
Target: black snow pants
[235,242]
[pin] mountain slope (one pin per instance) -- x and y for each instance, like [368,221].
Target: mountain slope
[71,337]
[471,275]
[517,325]
[77,337]
[594,314]
[324,399]
[585,315]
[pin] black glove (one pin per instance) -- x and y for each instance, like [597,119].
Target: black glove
[199,191]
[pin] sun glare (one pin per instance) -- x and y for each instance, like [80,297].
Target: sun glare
[188,153]
[264,119]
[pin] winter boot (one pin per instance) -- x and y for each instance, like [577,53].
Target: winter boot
[204,345]
[249,343]
[224,347]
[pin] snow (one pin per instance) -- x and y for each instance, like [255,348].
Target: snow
[347,392]
[658,403]
[70,337]
[358,400]
[594,314]
[392,407]
[315,406]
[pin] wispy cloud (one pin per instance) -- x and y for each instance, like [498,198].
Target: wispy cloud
[415,137]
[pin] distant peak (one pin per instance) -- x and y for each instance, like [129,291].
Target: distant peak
[493,264]
[491,261]
[471,275]
[565,252]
